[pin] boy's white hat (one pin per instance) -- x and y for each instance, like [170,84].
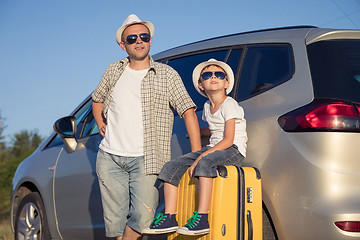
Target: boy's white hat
[212,61]
[130,20]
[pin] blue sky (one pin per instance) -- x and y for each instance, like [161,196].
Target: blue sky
[53,53]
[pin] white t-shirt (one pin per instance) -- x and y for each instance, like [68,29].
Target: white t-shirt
[228,110]
[124,132]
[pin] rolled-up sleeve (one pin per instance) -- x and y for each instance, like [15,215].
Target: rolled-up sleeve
[179,98]
[102,89]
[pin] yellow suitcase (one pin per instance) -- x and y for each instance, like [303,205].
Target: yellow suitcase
[235,209]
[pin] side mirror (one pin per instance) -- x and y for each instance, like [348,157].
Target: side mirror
[66,127]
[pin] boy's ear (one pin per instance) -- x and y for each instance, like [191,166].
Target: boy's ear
[227,84]
[201,86]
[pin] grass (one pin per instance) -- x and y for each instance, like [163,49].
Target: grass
[10,157]
[5,230]
[8,165]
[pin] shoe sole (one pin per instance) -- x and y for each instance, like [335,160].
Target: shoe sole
[159,231]
[191,233]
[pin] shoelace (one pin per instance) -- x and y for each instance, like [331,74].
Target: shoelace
[159,218]
[193,221]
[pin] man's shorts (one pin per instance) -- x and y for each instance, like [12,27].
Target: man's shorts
[128,195]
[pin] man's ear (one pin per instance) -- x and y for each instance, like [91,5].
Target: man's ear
[122,45]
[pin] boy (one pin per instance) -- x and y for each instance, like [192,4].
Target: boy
[214,80]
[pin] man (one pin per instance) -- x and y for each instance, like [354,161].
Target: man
[132,106]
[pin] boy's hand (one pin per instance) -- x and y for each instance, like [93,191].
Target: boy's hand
[192,169]
[193,166]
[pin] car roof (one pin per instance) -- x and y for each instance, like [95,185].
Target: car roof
[307,34]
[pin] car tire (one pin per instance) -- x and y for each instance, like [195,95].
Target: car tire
[30,220]
[268,227]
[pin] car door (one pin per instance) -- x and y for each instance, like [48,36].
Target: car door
[77,196]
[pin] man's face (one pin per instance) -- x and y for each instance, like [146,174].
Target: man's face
[139,50]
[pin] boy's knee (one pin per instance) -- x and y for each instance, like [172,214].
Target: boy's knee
[203,165]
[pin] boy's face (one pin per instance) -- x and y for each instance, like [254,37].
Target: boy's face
[213,84]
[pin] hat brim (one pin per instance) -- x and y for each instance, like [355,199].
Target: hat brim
[120,31]
[201,66]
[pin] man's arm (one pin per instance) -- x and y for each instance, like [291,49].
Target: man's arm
[193,129]
[97,112]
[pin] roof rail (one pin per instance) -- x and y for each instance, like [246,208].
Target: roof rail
[269,29]
[254,31]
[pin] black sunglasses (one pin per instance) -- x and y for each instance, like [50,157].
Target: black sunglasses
[145,37]
[207,75]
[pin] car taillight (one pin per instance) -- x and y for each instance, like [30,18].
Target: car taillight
[323,115]
[349,226]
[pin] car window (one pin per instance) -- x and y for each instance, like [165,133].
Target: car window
[185,66]
[338,74]
[90,126]
[263,68]
[234,61]
[80,115]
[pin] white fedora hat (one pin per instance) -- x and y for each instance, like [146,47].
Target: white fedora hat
[130,20]
[212,61]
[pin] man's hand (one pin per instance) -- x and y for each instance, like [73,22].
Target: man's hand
[97,112]
[102,130]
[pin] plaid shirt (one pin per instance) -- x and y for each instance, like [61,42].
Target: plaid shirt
[162,91]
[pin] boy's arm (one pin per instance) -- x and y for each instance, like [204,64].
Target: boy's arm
[228,139]
[193,129]
[97,112]
[227,142]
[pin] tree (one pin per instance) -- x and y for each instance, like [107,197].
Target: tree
[2,143]
[25,142]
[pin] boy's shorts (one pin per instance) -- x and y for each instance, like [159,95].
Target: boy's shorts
[128,195]
[206,167]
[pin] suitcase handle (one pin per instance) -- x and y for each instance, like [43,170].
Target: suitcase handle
[250,225]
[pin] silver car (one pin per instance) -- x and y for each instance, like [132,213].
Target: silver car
[300,89]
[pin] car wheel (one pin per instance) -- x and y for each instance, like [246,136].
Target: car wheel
[268,228]
[30,221]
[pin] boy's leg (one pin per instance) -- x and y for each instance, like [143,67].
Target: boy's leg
[170,195]
[198,224]
[173,170]
[205,190]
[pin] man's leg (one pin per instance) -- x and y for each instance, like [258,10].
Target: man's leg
[130,234]
[144,198]
[114,189]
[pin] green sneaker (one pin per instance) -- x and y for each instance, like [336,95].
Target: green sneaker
[197,225]
[162,224]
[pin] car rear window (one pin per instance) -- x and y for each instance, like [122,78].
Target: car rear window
[335,69]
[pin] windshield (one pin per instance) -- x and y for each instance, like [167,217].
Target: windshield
[335,69]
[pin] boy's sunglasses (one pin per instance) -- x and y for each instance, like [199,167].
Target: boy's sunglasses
[145,37]
[207,75]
